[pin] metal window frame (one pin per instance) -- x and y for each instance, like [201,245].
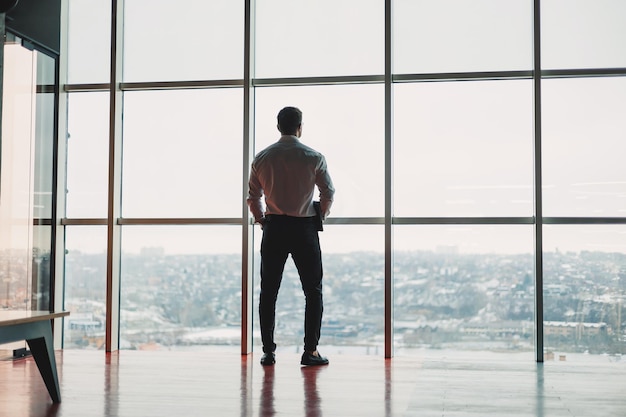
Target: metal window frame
[112,325]
[538,228]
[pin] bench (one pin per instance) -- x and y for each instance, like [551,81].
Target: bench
[36,328]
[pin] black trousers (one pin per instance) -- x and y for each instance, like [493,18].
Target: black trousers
[284,235]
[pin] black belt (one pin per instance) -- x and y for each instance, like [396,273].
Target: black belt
[288,219]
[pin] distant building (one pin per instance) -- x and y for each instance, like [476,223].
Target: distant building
[574,329]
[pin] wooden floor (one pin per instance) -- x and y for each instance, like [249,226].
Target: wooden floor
[186,384]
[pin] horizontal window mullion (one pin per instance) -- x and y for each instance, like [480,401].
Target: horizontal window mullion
[584,220]
[463,76]
[179,221]
[77,88]
[463,220]
[357,79]
[590,72]
[84,222]
[177,85]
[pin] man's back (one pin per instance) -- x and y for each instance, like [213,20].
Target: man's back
[287,173]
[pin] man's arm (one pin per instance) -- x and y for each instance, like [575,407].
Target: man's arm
[255,193]
[325,186]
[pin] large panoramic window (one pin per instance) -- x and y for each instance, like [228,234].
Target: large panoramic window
[436,146]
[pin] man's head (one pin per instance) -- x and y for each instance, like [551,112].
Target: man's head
[290,121]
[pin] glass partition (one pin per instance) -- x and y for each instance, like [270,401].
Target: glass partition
[28,139]
[17,175]
[26,177]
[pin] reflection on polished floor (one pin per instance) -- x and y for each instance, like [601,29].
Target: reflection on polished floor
[208,383]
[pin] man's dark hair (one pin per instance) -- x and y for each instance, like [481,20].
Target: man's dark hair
[289,120]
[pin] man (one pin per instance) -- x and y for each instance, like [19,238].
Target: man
[286,174]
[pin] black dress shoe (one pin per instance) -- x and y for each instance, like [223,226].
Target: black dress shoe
[309,359]
[268,359]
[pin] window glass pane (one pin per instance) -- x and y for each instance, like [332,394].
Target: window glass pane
[17,176]
[346,124]
[583,33]
[461,35]
[89,41]
[181,287]
[464,288]
[463,149]
[85,287]
[302,38]
[584,143]
[584,292]
[87,155]
[185,40]
[182,153]
[353,321]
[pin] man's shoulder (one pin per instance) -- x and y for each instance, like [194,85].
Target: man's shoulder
[309,151]
[288,147]
[269,149]
[308,148]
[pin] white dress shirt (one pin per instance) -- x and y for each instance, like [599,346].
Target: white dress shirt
[286,174]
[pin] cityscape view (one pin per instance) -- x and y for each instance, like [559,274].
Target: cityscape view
[442,300]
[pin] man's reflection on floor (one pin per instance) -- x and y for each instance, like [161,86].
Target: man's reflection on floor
[312,406]
[266,407]
[312,399]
